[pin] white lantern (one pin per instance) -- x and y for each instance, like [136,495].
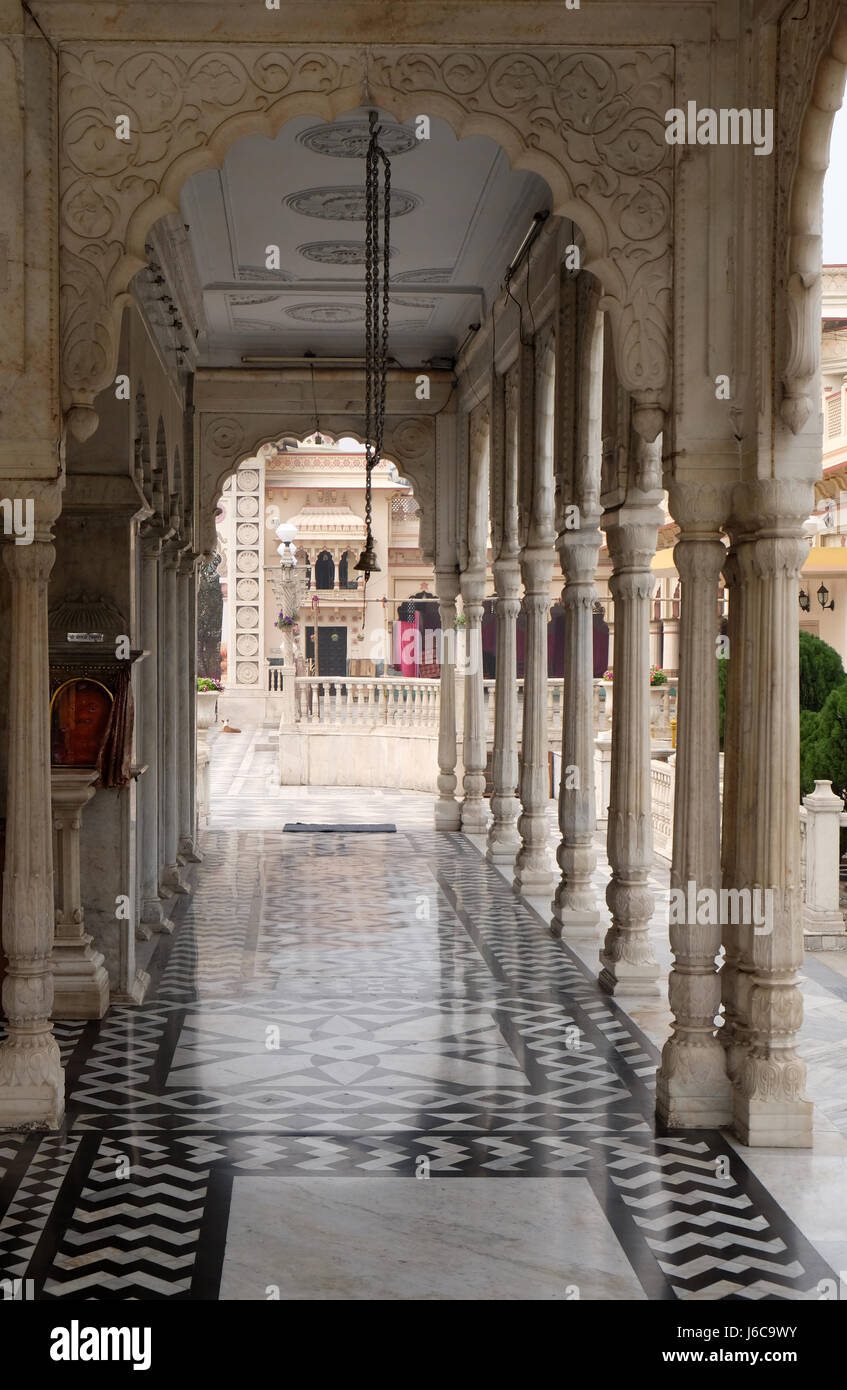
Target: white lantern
[286,533]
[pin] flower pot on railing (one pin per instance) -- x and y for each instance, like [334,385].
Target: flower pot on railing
[207,708]
[657,703]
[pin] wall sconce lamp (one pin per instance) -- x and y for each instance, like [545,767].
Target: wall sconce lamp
[805,602]
[824,599]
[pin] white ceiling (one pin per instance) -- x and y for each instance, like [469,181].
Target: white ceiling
[458,215]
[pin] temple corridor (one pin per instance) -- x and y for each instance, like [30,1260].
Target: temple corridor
[364,1070]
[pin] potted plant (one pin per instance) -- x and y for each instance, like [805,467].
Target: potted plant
[208,690]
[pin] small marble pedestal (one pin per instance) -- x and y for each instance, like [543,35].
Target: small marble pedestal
[80,979]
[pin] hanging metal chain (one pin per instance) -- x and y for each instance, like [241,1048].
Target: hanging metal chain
[376,319]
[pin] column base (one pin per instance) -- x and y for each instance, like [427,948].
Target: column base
[188,851]
[171,884]
[153,919]
[137,991]
[772,1124]
[80,980]
[693,1112]
[622,978]
[475,817]
[533,882]
[448,815]
[575,921]
[504,844]
[32,1084]
[697,1094]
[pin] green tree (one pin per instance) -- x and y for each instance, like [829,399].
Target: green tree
[823,745]
[210,605]
[810,753]
[821,671]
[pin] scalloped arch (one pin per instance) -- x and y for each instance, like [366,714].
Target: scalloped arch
[196,101]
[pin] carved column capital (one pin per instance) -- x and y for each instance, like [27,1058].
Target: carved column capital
[699,561]
[29,564]
[699,508]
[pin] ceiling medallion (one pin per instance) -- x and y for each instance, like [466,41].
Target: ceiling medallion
[349,139]
[345,204]
[325,313]
[334,252]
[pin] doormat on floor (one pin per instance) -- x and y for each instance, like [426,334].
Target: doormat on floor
[299,827]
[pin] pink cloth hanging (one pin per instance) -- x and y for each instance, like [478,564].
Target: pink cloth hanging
[407,647]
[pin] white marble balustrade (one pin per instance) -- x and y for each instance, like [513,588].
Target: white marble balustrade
[407,702]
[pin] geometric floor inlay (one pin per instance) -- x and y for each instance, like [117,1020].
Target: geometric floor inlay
[344,1025]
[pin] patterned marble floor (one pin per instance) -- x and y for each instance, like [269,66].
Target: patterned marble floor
[366,1071]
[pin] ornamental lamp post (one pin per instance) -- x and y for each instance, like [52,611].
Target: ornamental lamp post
[286,534]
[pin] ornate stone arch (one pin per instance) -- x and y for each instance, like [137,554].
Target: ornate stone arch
[590,123]
[409,443]
[802,336]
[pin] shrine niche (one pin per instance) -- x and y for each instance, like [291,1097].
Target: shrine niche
[91,706]
[80,711]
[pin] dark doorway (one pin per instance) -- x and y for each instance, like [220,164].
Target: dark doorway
[347,577]
[324,571]
[332,650]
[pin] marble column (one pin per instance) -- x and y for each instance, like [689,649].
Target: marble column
[32,1081]
[151,917]
[534,876]
[671,645]
[575,903]
[655,642]
[628,965]
[170,882]
[80,979]
[732,1033]
[193,817]
[769,1101]
[188,852]
[448,813]
[693,1089]
[503,839]
[475,815]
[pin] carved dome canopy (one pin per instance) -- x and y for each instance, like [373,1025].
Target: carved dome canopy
[85,622]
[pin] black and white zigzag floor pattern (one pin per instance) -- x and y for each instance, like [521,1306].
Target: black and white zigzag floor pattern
[350,1009]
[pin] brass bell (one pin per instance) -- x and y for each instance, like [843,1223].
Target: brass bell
[367,560]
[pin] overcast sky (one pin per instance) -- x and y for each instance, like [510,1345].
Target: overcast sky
[835,195]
